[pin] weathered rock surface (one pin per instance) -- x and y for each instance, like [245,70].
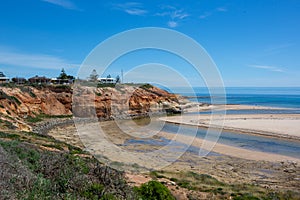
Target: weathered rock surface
[19,103]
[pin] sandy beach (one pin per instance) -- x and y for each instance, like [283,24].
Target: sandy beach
[232,165]
[273,125]
[195,107]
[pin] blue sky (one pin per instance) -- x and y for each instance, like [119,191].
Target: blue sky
[253,43]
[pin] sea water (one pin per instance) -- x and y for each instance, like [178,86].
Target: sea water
[282,97]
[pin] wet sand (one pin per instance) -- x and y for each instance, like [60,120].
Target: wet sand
[232,166]
[230,150]
[274,125]
[195,107]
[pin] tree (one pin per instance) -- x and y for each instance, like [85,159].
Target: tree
[70,77]
[118,80]
[63,74]
[108,76]
[94,76]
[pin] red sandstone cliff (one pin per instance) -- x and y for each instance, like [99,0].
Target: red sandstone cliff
[20,103]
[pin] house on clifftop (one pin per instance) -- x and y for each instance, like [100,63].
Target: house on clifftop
[107,80]
[39,80]
[19,80]
[3,78]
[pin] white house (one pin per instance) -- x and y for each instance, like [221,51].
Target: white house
[61,81]
[107,80]
[3,78]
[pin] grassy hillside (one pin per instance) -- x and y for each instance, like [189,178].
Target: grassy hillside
[39,167]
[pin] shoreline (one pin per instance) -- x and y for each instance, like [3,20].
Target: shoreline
[281,126]
[232,151]
[239,131]
[236,121]
[198,107]
[119,139]
[235,167]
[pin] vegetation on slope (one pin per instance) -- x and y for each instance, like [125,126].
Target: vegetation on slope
[34,166]
[154,190]
[39,167]
[214,189]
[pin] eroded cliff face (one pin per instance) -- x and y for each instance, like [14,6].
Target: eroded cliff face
[19,104]
[122,101]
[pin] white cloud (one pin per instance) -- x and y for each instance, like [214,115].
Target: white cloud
[172,24]
[205,15]
[222,9]
[269,68]
[175,15]
[209,13]
[63,3]
[13,58]
[135,11]
[277,49]
[179,14]
[131,8]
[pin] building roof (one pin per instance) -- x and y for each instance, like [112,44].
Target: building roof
[2,75]
[39,77]
[106,79]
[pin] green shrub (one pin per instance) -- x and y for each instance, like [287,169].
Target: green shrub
[155,174]
[154,190]
[75,150]
[204,178]
[40,117]
[34,119]
[146,86]
[29,157]
[246,197]
[15,99]
[185,184]
[40,190]
[9,135]
[3,95]
[32,94]
[56,146]
[174,179]
[28,90]
[103,85]
[108,197]
[93,191]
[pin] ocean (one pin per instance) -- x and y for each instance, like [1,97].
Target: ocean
[283,97]
[287,98]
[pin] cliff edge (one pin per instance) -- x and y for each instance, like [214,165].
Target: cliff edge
[22,105]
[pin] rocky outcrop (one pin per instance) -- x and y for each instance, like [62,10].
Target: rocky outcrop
[18,104]
[29,101]
[122,101]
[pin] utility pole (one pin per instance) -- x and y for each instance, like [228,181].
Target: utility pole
[122,81]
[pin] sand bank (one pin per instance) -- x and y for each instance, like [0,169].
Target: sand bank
[230,150]
[229,166]
[274,125]
[195,107]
